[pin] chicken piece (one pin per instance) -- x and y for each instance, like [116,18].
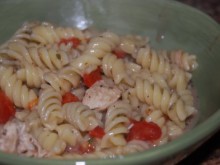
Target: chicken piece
[101,95]
[8,138]
[15,139]
[27,144]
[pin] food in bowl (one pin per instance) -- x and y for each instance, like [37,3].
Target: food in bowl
[71,93]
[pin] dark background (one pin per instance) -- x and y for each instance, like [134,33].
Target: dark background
[209,152]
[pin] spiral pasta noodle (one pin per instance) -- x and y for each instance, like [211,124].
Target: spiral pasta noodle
[49,107]
[62,81]
[50,141]
[46,33]
[85,64]
[149,59]
[184,60]
[18,92]
[113,67]
[102,45]
[39,56]
[179,80]
[69,134]
[168,102]
[32,75]
[116,118]
[80,116]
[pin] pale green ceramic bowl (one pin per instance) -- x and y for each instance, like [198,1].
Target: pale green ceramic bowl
[169,25]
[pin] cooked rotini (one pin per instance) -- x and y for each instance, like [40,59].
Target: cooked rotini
[39,56]
[89,94]
[150,59]
[117,117]
[62,81]
[50,140]
[184,60]
[113,67]
[130,43]
[102,45]
[18,92]
[179,80]
[80,116]
[46,33]
[32,75]
[49,107]
[69,134]
[163,99]
[85,64]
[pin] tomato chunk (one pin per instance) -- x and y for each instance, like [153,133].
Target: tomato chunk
[146,131]
[119,53]
[92,77]
[7,109]
[75,41]
[69,97]
[97,132]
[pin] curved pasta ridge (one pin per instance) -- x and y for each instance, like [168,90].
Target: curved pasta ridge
[115,125]
[49,107]
[80,116]
[18,92]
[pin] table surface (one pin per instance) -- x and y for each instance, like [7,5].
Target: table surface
[209,152]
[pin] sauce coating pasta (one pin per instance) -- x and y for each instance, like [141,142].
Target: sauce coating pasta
[79,94]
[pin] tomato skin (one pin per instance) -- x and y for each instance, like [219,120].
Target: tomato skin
[75,41]
[119,53]
[7,109]
[97,132]
[92,77]
[69,97]
[146,131]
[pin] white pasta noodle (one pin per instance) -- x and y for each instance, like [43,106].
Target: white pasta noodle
[81,94]
[21,36]
[50,141]
[130,44]
[62,81]
[149,59]
[115,124]
[85,64]
[114,68]
[161,98]
[102,45]
[184,60]
[39,56]
[18,92]
[80,116]
[32,75]
[47,33]
[69,134]
[49,107]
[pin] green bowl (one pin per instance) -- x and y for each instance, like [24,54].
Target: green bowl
[169,25]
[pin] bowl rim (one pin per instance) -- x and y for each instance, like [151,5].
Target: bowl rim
[198,133]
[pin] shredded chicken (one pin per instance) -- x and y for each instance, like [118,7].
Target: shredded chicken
[100,95]
[15,139]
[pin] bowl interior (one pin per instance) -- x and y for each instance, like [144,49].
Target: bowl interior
[169,25]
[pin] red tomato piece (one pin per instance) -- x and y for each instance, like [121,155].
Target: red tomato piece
[75,41]
[7,109]
[146,131]
[69,97]
[119,53]
[86,147]
[97,132]
[92,77]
